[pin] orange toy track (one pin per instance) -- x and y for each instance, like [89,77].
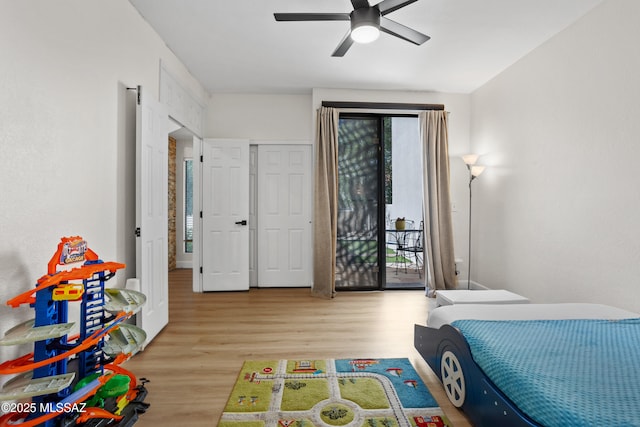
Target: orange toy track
[90,413]
[13,418]
[23,364]
[79,273]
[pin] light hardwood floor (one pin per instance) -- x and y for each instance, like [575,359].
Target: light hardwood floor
[193,363]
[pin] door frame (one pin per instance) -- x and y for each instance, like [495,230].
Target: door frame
[197,221]
[381,210]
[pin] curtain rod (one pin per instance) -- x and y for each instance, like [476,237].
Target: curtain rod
[383,105]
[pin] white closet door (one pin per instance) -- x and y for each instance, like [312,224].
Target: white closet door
[225,215]
[284,215]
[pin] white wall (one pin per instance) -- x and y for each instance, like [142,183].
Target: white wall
[259,117]
[68,133]
[555,213]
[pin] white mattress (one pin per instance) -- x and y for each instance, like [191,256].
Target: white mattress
[489,296]
[446,314]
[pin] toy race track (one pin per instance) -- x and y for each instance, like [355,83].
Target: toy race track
[74,380]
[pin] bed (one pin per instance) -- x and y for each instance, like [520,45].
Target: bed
[536,364]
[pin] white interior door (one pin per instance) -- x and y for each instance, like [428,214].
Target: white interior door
[284,215]
[151,213]
[225,215]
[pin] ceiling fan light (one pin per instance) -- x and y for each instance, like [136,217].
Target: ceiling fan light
[365,34]
[365,24]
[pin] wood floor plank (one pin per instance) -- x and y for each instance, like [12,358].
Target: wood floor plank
[193,363]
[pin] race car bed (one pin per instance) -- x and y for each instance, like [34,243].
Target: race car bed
[536,364]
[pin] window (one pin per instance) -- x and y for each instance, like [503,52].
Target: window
[188,206]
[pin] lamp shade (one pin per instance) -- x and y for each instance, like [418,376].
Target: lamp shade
[476,170]
[470,159]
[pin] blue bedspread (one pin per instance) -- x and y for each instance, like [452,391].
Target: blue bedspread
[563,372]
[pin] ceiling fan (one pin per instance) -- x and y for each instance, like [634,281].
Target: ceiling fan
[366,23]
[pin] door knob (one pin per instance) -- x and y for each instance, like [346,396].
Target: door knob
[243,222]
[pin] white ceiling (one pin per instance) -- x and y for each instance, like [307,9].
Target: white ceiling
[237,46]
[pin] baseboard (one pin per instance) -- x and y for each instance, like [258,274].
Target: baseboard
[465,284]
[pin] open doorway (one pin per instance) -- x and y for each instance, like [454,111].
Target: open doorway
[404,255]
[379,180]
[180,202]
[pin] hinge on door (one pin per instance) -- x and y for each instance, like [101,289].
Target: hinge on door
[139,95]
[200,214]
[137,231]
[200,270]
[201,159]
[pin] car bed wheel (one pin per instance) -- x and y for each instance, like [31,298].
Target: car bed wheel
[452,378]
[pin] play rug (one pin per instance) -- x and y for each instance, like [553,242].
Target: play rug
[316,393]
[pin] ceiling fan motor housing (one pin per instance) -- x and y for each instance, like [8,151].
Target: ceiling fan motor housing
[365,16]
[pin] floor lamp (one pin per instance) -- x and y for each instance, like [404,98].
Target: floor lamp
[474,171]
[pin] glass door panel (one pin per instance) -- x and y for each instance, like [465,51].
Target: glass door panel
[358,251]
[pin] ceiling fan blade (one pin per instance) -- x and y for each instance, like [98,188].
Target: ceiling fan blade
[344,45]
[399,30]
[311,16]
[360,4]
[388,6]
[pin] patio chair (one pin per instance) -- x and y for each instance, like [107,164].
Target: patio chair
[399,239]
[414,247]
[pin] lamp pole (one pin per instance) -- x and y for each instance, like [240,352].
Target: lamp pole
[474,172]
[471,178]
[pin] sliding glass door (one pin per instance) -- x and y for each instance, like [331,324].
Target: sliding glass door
[379,180]
[359,158]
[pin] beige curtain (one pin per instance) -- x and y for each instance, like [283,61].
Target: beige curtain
[325,204]
[438,227]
